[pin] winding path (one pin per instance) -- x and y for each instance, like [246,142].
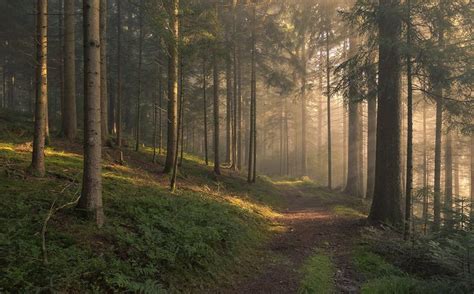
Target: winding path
[310,223]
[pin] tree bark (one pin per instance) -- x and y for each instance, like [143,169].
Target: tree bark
[172,141]
[471,213]
[139,94]
[215,75]
[448,181]
[304,157]
[409,159]
[37,164]
[437,168]
[386,202]
[371,131]
[353,174]
[91,197]
[204,98]
[118,116]
[239,111]
[104,96]
[228,79]
[253,107]
[328,106]
[69,115]
[425,173]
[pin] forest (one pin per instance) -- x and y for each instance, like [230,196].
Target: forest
[237,146]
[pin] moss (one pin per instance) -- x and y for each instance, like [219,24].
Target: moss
[318,274]
[346,211]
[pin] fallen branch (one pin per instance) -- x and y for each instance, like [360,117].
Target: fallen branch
[51,212]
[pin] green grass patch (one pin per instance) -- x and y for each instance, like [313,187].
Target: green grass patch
[318,274]
[342,210]
[371,265]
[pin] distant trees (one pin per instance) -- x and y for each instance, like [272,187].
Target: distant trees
[292,75]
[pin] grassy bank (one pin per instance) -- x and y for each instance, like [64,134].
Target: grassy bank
[152,241]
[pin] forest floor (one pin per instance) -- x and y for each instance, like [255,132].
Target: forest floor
[215,234]
[313,221]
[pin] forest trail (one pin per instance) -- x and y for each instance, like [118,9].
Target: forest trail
[310,223]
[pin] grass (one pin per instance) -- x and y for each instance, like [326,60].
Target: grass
[153,241]
[318,274]
[382,277]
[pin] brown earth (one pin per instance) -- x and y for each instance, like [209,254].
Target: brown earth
[310,223]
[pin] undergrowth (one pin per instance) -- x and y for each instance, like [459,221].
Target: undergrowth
[153,241]
[437,263]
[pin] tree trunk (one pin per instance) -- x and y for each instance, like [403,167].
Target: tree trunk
[448,181]
[425,174]
[437,169]
[204,97]
[104,96]
[234,92]
[91,197]
[353,173]
[172,88]
[118,116]
[160,113]
[215,75]
[328,106]
[253,108]
[239,111]
[181,110]
[37,164]
[409,159]
[139,94]
[69,120]
[360,151]
[471,213]
[228,79]
[371,131]
[386,202]
[304,158]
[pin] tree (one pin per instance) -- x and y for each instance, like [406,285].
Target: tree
[103,71]
[252,151]
[328,105]
[409,181]
[37,164]
[139,94]
[118,115]
[91,196]
[69,114]
[204,99]
[448,180]
[215,75]
[371,128]
[353,175]
[172,87]
[386,202]
[472,179]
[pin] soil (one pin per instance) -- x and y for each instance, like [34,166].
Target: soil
[310,224]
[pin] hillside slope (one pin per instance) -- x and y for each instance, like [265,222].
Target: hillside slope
[152,239]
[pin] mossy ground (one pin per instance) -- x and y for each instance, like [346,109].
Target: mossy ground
[152,240]
[318,274]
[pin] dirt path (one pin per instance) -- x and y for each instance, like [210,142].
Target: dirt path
[310,224]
